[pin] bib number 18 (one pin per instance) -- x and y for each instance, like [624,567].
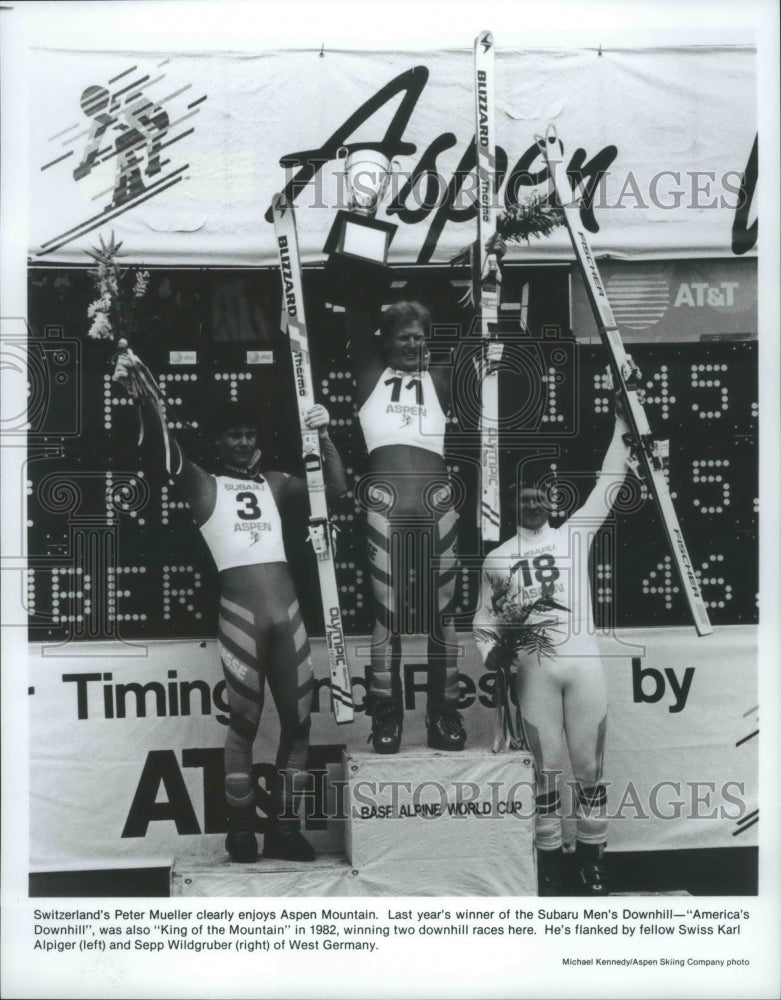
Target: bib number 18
[544,567]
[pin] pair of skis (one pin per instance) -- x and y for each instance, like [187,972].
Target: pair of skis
[648,451]
[649,454]
[320,529]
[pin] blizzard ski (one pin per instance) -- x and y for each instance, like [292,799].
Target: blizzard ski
[487,281]
[649,455]
[320,534]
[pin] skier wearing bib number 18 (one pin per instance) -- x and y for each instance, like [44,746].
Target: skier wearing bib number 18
[261,634]
[539,581]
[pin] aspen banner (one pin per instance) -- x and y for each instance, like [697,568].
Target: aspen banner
[126,744]
[181,154]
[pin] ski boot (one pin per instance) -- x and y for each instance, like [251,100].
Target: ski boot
[387,718]
[445,728]
[240,842]
[551,873]
[591,877]
[283,840]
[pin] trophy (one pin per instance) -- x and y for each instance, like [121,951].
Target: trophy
[357,268]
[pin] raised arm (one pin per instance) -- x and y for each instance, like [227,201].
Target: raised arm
[196,486]
[333,468]
[334,475]
[595,510]
[363,348]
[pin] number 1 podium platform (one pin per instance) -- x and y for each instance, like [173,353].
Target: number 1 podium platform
[417,823]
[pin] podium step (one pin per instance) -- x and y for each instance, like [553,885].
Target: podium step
[327,875]
[417,823]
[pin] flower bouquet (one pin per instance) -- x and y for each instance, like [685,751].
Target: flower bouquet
[115,315]
[519,627]
[115,311]
[513,632]
[535,217]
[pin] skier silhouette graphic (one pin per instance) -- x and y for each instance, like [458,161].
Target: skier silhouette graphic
[141,126]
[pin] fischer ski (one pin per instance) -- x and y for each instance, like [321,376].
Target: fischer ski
[649,458]
[320,533]
[486,281]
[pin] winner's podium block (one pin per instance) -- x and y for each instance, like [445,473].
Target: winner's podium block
[417,823]
[423,823]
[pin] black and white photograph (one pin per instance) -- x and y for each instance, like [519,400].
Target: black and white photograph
[390,483]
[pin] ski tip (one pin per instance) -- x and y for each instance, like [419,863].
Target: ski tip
[486,39]
[279,203]
[551,137]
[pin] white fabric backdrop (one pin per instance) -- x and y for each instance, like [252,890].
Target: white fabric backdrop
[682,122]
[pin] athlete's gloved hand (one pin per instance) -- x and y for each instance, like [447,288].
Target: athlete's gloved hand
[124,365]
[318,419]
[620,408]
[498,658]
[497,246]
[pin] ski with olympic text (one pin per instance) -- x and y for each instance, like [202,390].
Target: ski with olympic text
[487,284]
[320,529]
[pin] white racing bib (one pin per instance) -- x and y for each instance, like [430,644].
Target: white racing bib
[403,408]
[245,527]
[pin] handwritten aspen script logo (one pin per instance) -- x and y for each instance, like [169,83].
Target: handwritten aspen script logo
[429,193]
[133,122]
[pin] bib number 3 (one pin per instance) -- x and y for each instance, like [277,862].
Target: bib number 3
[249,509]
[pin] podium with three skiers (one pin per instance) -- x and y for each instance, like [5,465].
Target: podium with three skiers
[433,819]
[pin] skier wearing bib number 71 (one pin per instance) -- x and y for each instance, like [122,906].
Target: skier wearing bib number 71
[411,503]
[261,633]
[411,524]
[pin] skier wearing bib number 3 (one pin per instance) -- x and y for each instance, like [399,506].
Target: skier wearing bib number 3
[261,633]
[543,570]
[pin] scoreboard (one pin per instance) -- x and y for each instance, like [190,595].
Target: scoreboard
[112,548]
